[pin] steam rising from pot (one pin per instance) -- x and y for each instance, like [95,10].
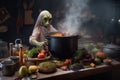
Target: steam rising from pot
[72,19]
[89,17]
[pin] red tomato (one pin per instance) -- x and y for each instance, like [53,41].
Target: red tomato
[68,61]
[41,55]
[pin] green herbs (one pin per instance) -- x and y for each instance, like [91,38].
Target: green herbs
[80,53]
[33,52]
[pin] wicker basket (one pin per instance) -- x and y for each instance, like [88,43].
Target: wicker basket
[36,61]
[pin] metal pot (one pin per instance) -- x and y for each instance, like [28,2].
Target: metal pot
[112,50]
[63,47]
[16,46]
[7,67]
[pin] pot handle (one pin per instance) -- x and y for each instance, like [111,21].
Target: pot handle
[16,41]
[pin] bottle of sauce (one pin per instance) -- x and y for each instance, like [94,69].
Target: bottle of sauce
[11,49]
[22,60]
[20,54]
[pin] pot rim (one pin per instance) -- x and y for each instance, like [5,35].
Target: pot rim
[67,36]
[63,37]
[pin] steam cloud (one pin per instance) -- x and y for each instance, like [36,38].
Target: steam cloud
[81,16]
[73,14]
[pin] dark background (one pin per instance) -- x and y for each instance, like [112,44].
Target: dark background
[104,10]
[15,8]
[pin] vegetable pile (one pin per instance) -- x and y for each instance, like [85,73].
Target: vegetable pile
[33,53]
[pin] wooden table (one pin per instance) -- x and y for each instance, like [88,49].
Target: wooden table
[72,75]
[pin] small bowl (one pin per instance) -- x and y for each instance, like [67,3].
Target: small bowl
[107,61]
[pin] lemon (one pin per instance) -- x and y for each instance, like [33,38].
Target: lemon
[32,69]
[25,55]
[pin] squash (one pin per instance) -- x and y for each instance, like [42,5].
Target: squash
[47,67]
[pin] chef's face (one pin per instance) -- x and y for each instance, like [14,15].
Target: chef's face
[46,20]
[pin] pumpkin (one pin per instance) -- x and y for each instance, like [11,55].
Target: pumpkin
[101,55]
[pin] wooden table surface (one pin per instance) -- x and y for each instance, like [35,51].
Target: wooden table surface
[71,75]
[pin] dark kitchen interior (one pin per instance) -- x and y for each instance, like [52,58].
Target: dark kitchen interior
[102,15]
[98,19]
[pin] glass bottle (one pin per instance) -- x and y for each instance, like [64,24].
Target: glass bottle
[20,54]
[11,49]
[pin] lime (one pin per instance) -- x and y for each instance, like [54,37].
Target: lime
[23,71]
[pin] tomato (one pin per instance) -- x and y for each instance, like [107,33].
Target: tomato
[101,54]
[41,55]
[68,61]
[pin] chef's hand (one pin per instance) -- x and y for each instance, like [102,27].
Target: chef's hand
[40,44]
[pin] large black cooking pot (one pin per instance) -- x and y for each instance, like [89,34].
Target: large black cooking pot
[63,47]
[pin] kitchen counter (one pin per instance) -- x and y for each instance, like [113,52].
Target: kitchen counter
[72,75]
